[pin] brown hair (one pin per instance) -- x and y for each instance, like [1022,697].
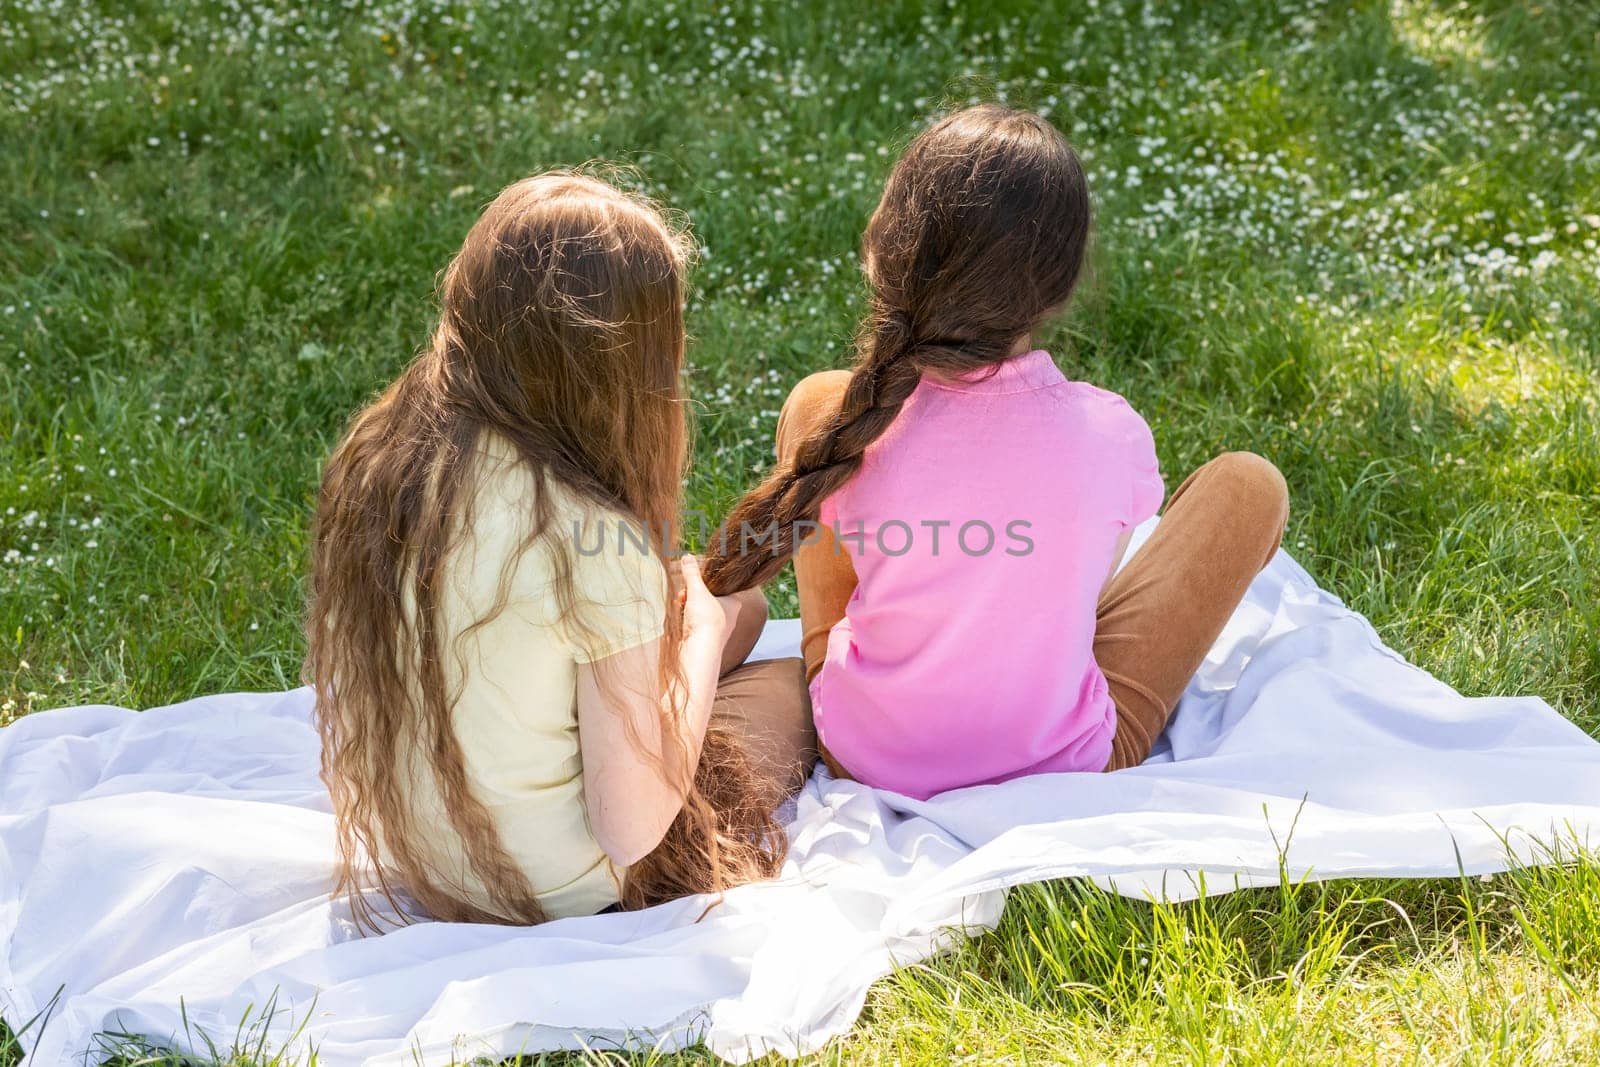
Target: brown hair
[561,332]
[978,239]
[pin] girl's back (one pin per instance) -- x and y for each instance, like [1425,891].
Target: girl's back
[511,659]
[982,527]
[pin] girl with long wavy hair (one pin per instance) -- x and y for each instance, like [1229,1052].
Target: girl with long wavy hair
[531,706]
[957,509]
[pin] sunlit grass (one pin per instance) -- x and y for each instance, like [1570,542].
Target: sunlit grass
[1439,32]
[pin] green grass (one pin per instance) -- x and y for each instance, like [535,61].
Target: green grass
[1362,239]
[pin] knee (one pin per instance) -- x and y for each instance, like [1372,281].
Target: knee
[810,404]
[792,732]
[823,387]
[1256,489]
[792,695]
[750,621]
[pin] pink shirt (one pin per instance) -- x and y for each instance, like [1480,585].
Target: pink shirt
[982,527]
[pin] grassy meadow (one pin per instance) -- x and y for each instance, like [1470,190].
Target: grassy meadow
[1361,238]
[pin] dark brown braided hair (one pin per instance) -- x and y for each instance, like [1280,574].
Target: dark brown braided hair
[979,239]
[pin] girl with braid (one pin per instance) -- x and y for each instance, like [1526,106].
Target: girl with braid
[529,707]
[958,510]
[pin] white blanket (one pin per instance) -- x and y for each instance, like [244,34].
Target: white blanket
[166,873]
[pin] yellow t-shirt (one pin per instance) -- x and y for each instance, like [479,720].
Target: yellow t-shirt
[516,714]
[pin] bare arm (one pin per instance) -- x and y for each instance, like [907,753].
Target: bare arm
[632,795]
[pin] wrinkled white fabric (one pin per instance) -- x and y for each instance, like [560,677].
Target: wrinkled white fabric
[178,861]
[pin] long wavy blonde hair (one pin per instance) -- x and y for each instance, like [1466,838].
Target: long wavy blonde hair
[560,331]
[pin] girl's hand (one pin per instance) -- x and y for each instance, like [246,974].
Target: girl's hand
[706,617]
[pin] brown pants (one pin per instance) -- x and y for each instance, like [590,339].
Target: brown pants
[766,704]
[1156,619]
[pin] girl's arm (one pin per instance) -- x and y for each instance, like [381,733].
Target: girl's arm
[630,797]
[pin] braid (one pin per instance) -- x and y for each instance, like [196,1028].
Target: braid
[978,239]
[879,387]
